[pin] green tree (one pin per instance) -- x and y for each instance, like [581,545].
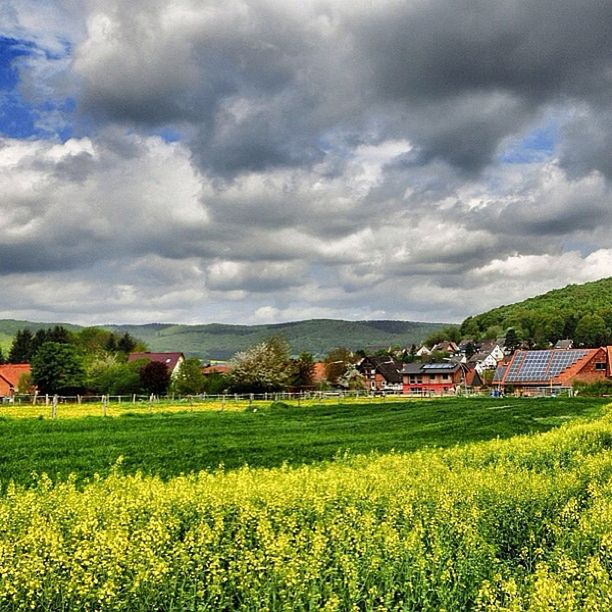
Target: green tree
[591,331]
[127,344]
[512,341]
[22,347]
[215,383]
[24,385]
[262,368]
[111,344]
[189,379]
[303,371]
[94,340]
[2,359]
[58,368]
[337,362]
[155,377]
[107,375]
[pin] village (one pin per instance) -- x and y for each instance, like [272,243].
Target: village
[446,368]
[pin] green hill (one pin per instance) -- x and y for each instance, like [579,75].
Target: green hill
[317,336]
[571,312]
[216,341]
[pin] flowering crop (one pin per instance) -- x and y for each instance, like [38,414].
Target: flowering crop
[517,524]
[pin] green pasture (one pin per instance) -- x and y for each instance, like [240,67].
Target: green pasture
[172,443]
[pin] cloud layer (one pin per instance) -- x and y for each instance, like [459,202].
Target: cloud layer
[266,160]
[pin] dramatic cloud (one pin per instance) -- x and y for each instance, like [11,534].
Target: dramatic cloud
[263,160]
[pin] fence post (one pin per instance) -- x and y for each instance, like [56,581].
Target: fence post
[54,407]
[35,398]
[104,404]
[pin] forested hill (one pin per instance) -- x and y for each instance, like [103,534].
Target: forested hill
[317,336]
[217,341]
[581,312]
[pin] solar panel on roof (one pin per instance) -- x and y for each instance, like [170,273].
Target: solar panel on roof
[542,365]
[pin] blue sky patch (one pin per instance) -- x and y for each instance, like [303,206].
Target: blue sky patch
[537,146]
[20,118]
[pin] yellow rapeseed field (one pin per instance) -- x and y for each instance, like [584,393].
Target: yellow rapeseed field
[519,524]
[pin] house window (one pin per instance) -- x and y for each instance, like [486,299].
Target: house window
[432,377]
[600,365]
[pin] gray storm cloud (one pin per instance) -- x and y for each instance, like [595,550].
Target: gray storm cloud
[331,158]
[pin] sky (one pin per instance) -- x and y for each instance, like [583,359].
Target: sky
[260,161]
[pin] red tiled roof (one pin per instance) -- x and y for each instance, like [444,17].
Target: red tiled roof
[609,360]
[217,369]
[10,375]
[168,359]
[11,372]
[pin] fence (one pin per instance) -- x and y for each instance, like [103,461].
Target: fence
[47,399]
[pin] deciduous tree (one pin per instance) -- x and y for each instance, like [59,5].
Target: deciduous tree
[155,377]
[189,379]
[262,368]
[58,368]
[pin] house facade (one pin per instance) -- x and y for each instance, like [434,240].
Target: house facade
[381,373]
[487,358]
[431,378]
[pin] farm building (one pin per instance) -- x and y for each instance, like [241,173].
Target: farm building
[10,375]
[171,360]
[530,372]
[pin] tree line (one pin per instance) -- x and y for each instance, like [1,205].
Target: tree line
[95,360]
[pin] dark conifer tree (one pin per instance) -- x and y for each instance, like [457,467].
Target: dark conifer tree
[126,343]
[111,343]
[22,347]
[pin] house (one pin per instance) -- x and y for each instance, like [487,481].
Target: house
[565,344]
[531,372]
[487,358]
[473,379]
[423,351]
[431,378]
[448,346]
[381,373]
[10,374]
[172,361]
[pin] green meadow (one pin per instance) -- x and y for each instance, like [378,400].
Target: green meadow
[172,443]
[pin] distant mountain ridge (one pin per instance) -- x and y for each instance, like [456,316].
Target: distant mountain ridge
[221,341]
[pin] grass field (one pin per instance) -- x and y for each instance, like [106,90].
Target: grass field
[177,441]
[522,523]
